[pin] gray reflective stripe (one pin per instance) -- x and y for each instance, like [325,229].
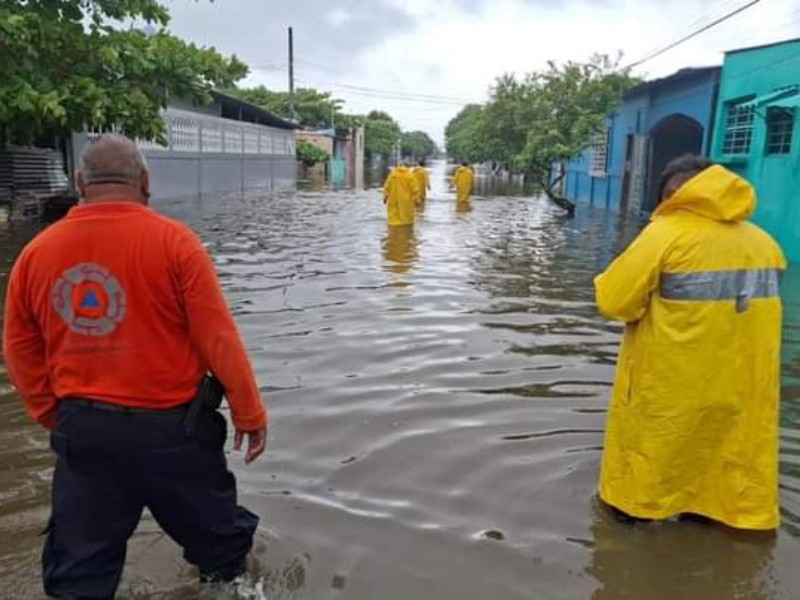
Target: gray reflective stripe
[740,285]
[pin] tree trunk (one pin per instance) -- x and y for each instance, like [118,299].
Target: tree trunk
[549,188]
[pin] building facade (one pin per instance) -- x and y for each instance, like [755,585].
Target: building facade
[658,120]
[345,147]
[757,131]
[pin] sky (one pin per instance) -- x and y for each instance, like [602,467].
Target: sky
[423,60]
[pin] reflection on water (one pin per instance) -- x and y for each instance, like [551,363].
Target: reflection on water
[672,560]
[437,397]
[400,249]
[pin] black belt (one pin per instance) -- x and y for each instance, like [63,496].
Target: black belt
[177,410]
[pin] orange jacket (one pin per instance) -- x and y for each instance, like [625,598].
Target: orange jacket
[119,304]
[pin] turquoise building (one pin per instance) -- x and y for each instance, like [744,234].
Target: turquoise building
[756,133]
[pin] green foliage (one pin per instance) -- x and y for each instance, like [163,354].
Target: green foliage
[68,65]
[315,109]
[545,117]
[381,133]
[310,154]
[417,144]
[312,108]
[463,135]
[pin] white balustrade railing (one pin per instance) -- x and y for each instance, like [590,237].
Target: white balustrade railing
[198,133]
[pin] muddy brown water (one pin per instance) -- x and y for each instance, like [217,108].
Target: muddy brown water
[437,398]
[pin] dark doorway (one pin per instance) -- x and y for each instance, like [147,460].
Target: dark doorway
[670,138]
[626,177]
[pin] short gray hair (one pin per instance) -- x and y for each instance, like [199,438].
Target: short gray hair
[112,158]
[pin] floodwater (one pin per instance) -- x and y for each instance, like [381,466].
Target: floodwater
[437,398]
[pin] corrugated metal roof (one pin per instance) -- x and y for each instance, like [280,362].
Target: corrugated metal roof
[252,113]
[37,172]
[678,76]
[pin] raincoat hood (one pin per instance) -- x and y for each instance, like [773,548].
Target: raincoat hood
[716,193]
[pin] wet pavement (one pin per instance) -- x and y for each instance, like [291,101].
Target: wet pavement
[437,399]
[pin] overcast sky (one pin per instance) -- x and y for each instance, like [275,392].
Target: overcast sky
[421,60]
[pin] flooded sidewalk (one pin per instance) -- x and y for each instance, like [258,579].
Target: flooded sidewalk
[437,399]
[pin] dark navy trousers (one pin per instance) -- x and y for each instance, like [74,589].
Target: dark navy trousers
[110,466]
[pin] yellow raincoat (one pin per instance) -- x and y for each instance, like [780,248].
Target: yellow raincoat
[423,182]
[400,193]
[693,421]
[462,180]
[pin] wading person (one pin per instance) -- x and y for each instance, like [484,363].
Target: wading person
[462,181]
[423,181]
[114,315]
[692,427]
[401,194]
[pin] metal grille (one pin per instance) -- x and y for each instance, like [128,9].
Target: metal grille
[780,125]
[37,173]
[738,129]
[599,156]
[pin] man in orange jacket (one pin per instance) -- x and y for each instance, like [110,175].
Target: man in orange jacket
[113,317]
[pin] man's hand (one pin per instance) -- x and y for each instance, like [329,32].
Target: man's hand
[256,443]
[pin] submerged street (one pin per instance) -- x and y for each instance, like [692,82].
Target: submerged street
[437,399]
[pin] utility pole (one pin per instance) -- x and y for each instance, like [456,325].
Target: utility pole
[291,74]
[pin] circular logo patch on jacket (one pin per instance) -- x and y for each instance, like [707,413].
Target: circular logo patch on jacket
[90,299]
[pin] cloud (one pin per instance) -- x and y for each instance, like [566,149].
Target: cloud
[336,34]
[419,59]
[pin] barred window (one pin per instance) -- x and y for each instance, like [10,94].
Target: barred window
[738,129]
[599,156]
[780,125]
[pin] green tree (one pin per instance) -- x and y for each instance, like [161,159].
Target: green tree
[417,144]
[541,119]
[69,65]
[310,154]
[464,135]
[381,133]
[313,108]
[568,108]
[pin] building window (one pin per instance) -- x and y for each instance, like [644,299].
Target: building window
[738,129]
[780,125]
[599,156]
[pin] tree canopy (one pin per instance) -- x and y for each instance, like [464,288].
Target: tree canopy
[381,133]
[417,144]
[545,117]
[312,107]
[70,65]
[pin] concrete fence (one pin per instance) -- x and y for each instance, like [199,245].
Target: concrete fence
[207,154]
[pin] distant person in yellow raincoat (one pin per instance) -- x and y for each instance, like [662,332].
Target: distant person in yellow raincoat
[692,426]
[423,180]
[400,194]
[462,181]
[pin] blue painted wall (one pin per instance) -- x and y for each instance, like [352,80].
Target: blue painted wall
[692,94]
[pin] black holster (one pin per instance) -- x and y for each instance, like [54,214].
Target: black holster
[203,421]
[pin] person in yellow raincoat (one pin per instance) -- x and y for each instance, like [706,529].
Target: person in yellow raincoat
[423,180]
[462,181]
[692,428]
[400,194]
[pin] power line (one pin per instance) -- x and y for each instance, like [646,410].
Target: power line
[396,93]
[386,95]
[694,34]
[721,9]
